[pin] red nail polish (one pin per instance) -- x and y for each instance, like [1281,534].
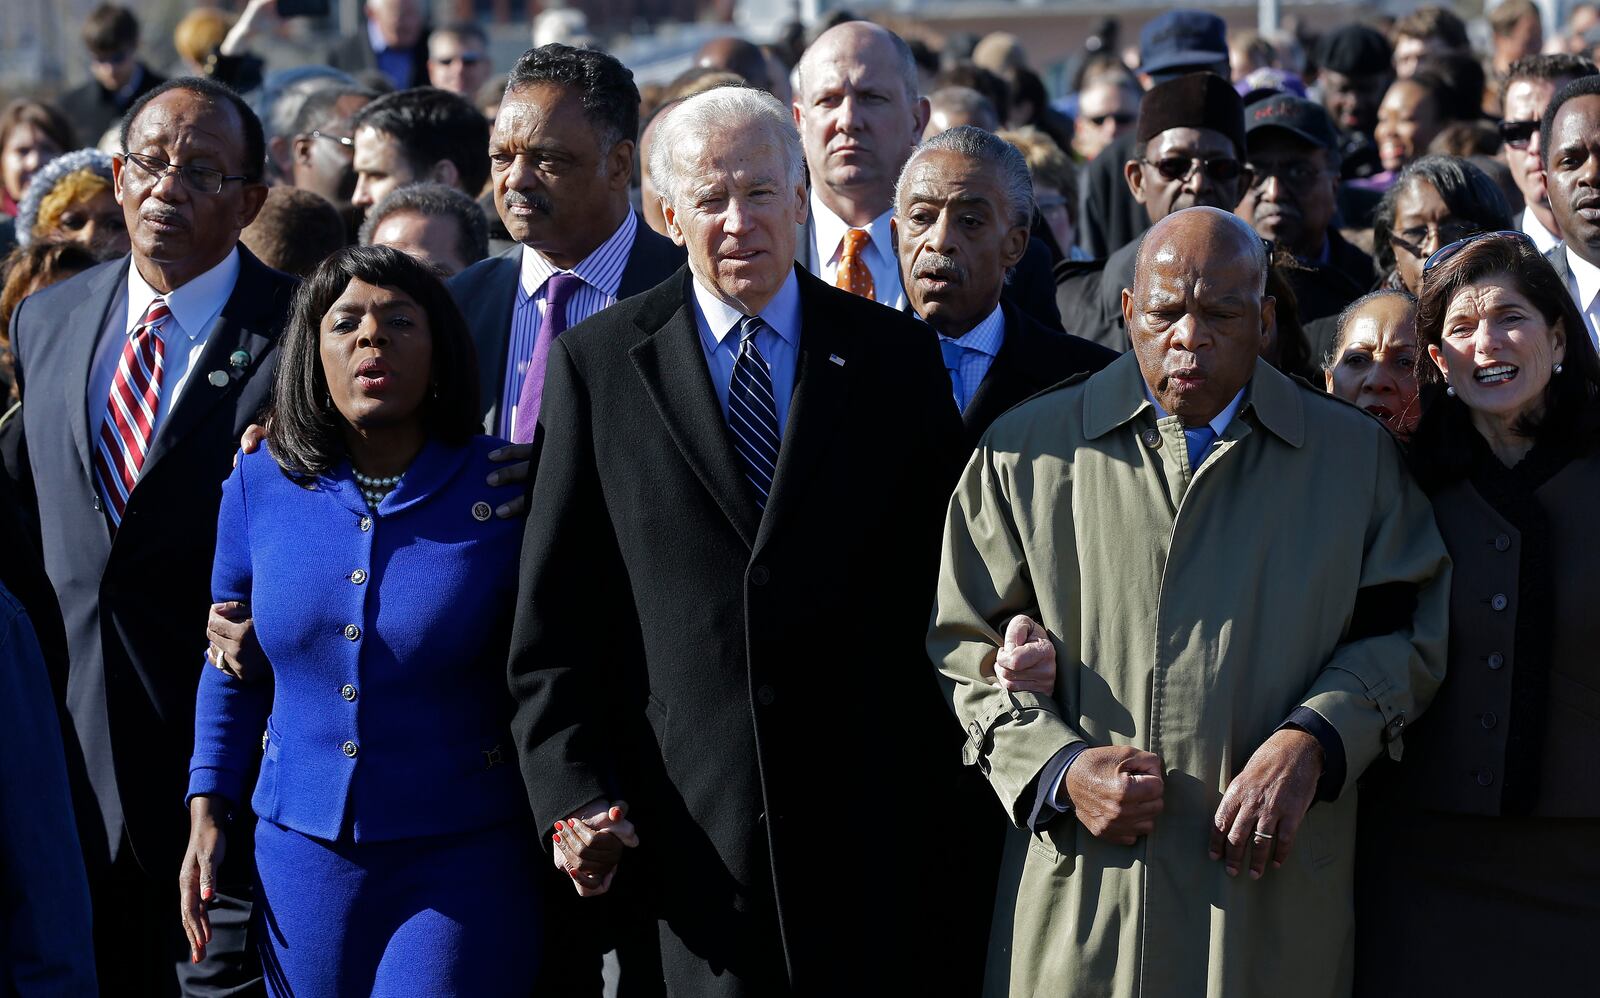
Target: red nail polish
[555,838]
[561,826]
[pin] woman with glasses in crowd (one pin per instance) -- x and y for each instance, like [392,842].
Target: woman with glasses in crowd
[393,846]
[1435,201]
[1487,834]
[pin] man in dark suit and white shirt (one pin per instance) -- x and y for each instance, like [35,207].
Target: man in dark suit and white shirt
[748,470]
[392,39]
[137,378]
[963,207]
[561,158]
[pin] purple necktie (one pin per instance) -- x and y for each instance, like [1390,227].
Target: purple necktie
[558,290]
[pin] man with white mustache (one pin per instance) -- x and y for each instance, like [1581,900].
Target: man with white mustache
[962,209]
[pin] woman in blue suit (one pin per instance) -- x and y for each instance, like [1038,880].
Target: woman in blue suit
[393,843]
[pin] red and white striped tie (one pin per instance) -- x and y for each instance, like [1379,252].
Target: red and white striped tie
[130,421]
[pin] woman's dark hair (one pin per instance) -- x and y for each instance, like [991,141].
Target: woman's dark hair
[1466,190]
[303,427]
[1293,348]
[1571,395]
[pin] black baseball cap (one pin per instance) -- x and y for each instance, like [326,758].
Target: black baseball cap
[1183,39]
[1354,50]
[1296,115]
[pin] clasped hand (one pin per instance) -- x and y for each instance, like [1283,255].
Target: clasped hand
[589,844]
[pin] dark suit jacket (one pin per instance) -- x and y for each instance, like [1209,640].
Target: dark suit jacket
[1322,291]
[487,294]
[762,677]
[135,602]
[1089,295]
[1110,218]
[92,108]
[354,54]
[1032,357]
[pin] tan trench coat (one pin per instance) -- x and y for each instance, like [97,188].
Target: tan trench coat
[1190,614]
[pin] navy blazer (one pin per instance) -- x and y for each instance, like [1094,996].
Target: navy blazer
[487,294]
[388,637]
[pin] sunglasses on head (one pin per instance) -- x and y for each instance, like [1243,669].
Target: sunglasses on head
[1120,117]
[1517,134]
[1446,252]
[1183,167]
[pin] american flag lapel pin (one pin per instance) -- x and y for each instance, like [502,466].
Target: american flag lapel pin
[836,359]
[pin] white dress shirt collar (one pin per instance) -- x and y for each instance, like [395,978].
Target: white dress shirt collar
[601,269]
[194,305]
[1586,276]
[1534,229]
[830,230]
[782,312]
[1219,423]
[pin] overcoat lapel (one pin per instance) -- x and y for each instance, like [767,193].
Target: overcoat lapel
[819,400]
[244,325]
[86,323]
[673,368]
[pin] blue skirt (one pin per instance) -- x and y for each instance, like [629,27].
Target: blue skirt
[445,915]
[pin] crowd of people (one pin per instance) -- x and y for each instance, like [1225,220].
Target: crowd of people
[462,532]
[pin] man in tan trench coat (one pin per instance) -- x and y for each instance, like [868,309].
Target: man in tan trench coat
[1246,598]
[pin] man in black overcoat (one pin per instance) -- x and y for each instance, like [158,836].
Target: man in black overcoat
[720,603]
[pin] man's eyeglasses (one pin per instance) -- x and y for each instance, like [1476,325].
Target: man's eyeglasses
[1444,234]
[1517,134]
[1446,252]
[1120,117]
[1183,167]
[344,140]
[199,179]
[1297,175]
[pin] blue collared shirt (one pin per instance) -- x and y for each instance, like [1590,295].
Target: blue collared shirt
[779,343]
[982,345]
[601,273]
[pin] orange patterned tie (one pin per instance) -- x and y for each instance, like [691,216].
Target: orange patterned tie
[853,275]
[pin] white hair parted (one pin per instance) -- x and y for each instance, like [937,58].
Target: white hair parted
[989,149]
[740,113]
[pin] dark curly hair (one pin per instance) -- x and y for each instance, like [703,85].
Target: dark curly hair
[303,430]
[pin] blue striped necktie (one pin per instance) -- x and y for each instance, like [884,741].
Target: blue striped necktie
[753,412]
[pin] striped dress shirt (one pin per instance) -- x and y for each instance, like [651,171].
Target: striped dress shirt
[601,273]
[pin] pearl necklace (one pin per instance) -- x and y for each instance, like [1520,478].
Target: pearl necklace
[375,489]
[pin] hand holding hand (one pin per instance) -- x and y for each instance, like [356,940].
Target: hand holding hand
[197,878]
[233,646]
[1027,661]
[1265,803]
[1116,791]
[518,461]
[589,845]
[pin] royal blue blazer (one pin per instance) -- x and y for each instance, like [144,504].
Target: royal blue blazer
[386,715]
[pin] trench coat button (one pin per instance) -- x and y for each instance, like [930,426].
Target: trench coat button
[358,576]
[759,575]
[1499,601]
[365,523]
[349,749]
[1496,660]
[348,692]
[1151,438]
[766,695]
[1485,776]
[1488,719]
[1502,542]
[352,632]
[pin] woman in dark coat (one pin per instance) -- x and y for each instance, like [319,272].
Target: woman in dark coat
[1479,861]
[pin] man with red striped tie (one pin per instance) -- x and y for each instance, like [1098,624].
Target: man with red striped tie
[137,378]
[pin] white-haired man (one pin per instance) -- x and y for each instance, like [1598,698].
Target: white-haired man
[750,490]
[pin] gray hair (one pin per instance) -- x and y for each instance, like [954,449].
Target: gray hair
[435,201]
[905,60]
[1347,316]
[989,149]
[729,109]
[45,180]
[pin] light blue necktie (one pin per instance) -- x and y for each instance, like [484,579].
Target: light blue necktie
[1199,441]
[953,353]
[753,412]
